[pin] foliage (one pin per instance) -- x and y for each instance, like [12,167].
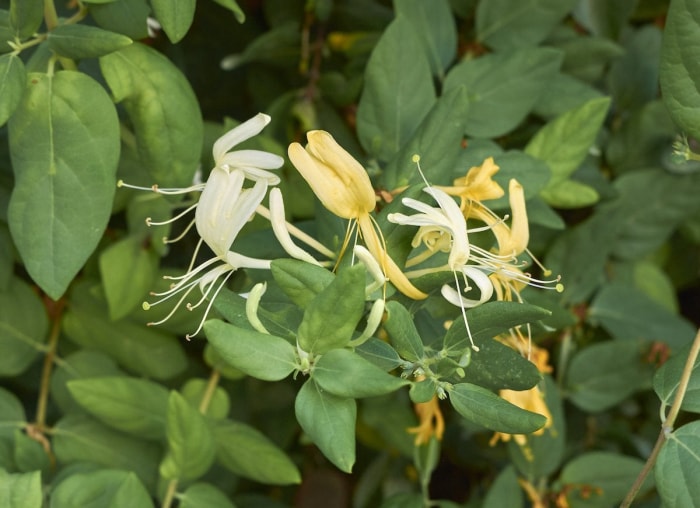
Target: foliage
[514,347]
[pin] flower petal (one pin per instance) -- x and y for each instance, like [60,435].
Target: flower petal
[238,134]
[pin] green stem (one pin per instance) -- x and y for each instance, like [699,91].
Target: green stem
[50,16]
[667,424]
[170,494]
[56,311]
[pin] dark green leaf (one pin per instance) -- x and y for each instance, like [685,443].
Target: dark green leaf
[677,463]
[379,353]
[398,91]
[606,476]
[248,453]
[423,391]
[603,375]
[12,414]
[64,143]
[680,70]
[101,489]
[144,350]
[435,25]
[330,423]
[233,6]
[23,327]
[127,17]
[257,354]
[667,379]
[83,41]
[331,317]
[510,24]
[505,491]
[437,140]
[13,81]
[487,409]
[82,439]
[30,455]
[191,446]
[564,93]
[175,16]
[163,110]
[497,102]
[631,315]
[346,374]
[134,406]
[402,332]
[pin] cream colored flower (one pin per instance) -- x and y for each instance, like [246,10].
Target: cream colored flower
[343,187]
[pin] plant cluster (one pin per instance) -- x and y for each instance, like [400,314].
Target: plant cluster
[436,253]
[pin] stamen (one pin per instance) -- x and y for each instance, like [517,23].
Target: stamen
[211,302]
[172,219]
[464,316]
[181,235]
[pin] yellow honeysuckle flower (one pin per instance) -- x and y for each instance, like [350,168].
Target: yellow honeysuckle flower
[430,421]
[343,187]
[478,184]
[531,400]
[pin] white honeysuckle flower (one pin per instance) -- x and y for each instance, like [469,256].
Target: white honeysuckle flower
[224,207]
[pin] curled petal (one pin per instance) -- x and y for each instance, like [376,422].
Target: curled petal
[482,283]
[238,134]
[279,228]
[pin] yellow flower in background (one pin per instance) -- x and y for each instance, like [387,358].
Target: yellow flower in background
[343,187]
[478,184]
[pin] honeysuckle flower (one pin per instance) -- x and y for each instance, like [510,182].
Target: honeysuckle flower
[224,207]
[477,185]
[343,187]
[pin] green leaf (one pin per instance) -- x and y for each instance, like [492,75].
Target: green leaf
[20,490]
[680,70]
[23,327]
[533,174]
[677,463]
[565,141]
[488,320]
[402,332]
[246,452]
[628,314]
[175,16]
[29,454]
[195,390]
[438,142]
[330,423]
[570,194]
[191,446]
[564,93]
[667,379]
[13,81]
[398,91]
[101,489]
[257,354]
[300,281]
[128,269]
[134,406]
[648,216]
[346,374]
[543,454]
[26,17]
[233,6]
[203,495]
[511,24]
[586,57]
[127,17]
[332,316]
[163,110]
[64,143]
[603,375]
[423,391]
[147,351]
[497,103]
[605,476]
[82,364]
[83,439]
[83,41]
[379,353]
[12,414]
[505,491]
[487,409]
[435,25]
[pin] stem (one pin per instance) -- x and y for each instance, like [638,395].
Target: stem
[209,392]
[666,425]
[50,16]
[55,312]
[170,494]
